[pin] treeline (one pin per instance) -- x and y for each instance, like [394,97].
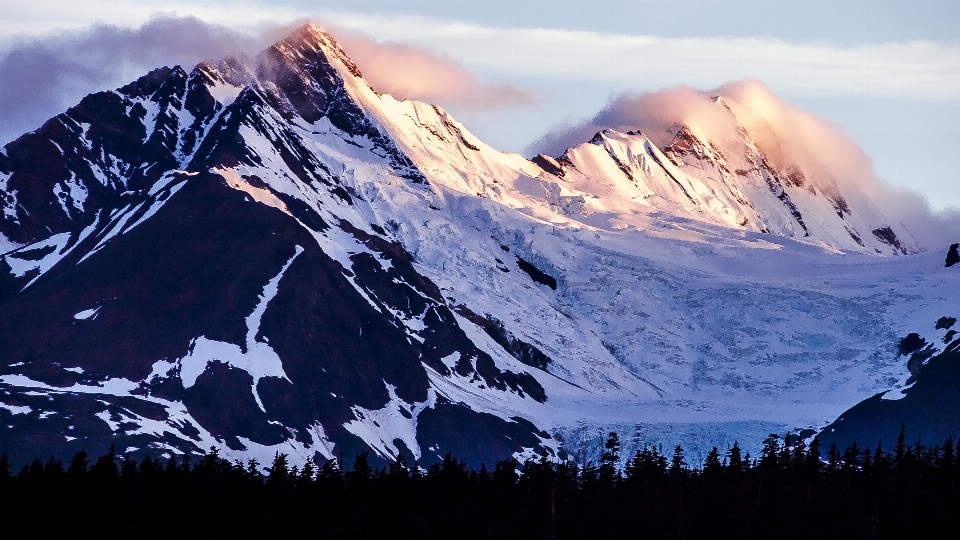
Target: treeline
[790,490]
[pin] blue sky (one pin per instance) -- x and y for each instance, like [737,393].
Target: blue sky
[886,71]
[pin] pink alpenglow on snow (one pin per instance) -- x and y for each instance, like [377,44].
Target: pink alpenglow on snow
[789,137]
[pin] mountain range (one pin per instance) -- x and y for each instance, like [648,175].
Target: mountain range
[267,255]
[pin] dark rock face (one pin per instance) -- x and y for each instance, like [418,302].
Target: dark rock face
[477,435]
[536,274]
[952,256]
[160,308]
[929,407]
[159,287]
[101,153]
[548,164]
[887,236]
[521,350]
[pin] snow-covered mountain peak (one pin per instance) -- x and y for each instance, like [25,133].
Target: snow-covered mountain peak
[310,38]
[713,169]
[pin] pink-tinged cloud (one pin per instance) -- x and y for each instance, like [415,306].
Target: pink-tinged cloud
[39,78]
[408,72]
[788,136]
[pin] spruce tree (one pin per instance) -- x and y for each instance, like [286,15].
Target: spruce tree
[78,464]
[735,458]
[712,464]
[278,472]
[362,471]
[678,464]
[610,458]
[770,454]
[307,473]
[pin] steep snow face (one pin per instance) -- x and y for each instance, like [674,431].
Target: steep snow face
[318,268]
[736,187]
[624,179]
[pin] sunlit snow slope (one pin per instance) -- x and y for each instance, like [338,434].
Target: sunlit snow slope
[274,257]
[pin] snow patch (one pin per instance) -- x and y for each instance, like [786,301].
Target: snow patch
[7,245]
[107,418]
[894,395]
[16,409]
[260,195]
[380,428]
[21,266]
[112,386]
[225,93]
[71,193]
[119,225]
[259,360]
[86,314]
[160,368]
[156,206]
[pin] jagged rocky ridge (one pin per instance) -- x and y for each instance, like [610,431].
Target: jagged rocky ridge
[270,256]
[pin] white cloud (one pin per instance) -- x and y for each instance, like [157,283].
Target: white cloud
[38,17]
[920,69]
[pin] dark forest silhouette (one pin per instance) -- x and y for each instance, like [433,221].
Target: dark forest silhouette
[791,489]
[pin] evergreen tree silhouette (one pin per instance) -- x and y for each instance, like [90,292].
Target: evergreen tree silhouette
[712,464]
[78,464]
[610,458]
[735,458]
[678,464]
[900,449]
[278,473]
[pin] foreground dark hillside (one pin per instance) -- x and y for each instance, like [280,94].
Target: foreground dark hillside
[928,405]
[789,490]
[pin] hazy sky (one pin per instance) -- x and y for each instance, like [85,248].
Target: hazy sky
[887,71]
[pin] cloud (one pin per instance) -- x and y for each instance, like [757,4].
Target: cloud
[790,137]
[917,69]
[40,78]
[409,72]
